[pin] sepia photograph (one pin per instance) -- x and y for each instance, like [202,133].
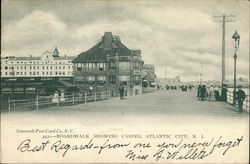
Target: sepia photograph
[123,81]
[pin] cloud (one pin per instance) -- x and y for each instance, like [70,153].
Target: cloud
[180,38]
[36,30]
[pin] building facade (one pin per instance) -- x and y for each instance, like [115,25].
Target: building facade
[27,74]
[148,76]
[48,65]
[108,64]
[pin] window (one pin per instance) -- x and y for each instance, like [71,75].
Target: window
[56,72]
[30,73]
[95,65]
[43,73]
[37,67]
[137,80]
[101,79]
[21,73]
[24,73]
[112,79]
[124,66]
[90,66]
[34,67]
[25,67]
[101,67]
[78,66]
[37,73]
[6,68]
[21,67]
[47,67]
[68,67]
[17,68]
[124,78]
[60,73]
[43,67]
[17,73]
[59,67]
[91,78]
[112,66]
[50,67]
[30,67]
[63,73]
[63,67]
[6,73]
[34,73]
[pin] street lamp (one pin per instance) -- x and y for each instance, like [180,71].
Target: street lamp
[236,38]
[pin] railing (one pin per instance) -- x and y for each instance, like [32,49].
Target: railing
[37,102]
[40,102]
[245,103]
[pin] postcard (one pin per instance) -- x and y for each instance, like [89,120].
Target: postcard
[101,81]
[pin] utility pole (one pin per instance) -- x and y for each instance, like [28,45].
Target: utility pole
[201,75]
[223,19]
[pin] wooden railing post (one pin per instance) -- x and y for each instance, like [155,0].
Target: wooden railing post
[9,104]
[37,102]
[95,96]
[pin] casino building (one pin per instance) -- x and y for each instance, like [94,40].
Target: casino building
[42,74]
[108,64]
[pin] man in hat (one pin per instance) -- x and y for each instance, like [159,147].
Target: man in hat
[224,93]
[121,91]
[240,97]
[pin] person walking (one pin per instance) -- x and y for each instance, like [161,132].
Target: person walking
[240,97]
[224,93]
[199,91]
[211,93]
[217,94]
[121,91]
[203,92]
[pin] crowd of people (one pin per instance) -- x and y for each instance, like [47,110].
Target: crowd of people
[212,93]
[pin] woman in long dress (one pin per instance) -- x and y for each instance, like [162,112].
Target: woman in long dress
[211,93]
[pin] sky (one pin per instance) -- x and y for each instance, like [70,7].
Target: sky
[178,37]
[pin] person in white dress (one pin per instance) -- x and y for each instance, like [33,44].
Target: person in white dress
[211,93]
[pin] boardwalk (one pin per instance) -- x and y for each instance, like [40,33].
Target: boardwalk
[153,108]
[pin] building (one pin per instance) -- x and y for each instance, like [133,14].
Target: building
[148,76]
[27,74]
[169,81]
[108,64]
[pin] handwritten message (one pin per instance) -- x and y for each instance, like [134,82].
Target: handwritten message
[179,149]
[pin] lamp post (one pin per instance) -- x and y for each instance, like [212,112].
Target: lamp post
[236,38]
[107,75]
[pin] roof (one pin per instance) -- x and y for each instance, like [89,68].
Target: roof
[64,58]
[108,45]
[28,58]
